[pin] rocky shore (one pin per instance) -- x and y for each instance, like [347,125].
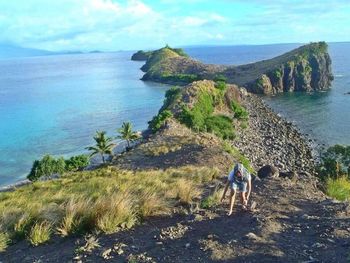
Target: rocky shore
[270,139]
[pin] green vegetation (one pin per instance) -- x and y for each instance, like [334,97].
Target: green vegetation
[171,95]
[221,85]
[219,78]
[335,162]
[221,126]
[277,74]
[106,199]
[212,200]
[338,188]
[126,133]
[47,166]
[334,170]
[227,147]
[180,78]
[195,117]
[158,121]
[103,145]
[178,51]
[239,112]
[75,163]
[39,233]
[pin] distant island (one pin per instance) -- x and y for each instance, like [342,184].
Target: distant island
[307,68]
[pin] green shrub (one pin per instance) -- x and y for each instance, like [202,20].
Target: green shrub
[180,78]
[220,125]
[335,162]
[47,166]
[219,78]
[221,85]
[75,163]
[239,112]
[195,117]
[158,121]
[171,95]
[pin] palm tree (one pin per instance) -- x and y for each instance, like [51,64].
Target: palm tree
[127,134]
[103,145]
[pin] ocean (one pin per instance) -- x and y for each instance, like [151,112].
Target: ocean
[55,104]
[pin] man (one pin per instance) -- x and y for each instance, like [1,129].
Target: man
[239,179]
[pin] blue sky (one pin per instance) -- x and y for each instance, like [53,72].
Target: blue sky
[135,24]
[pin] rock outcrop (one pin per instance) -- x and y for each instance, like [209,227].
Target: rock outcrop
[141,55]
[307,68]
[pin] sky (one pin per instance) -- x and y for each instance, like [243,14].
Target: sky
[111,25]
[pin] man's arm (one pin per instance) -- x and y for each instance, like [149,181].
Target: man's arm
[249,188]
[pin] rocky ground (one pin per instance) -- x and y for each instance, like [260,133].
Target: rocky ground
[293,220]
[272,140]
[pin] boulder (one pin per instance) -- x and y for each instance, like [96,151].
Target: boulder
[268,171]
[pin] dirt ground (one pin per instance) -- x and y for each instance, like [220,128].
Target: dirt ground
[293,222]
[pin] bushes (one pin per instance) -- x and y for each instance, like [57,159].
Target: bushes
[158,121]
[180,78]
[171,95]
[49,165]
[221,85]
[335,162]
[75,163]
[195,117]
[220,125]
[239,112]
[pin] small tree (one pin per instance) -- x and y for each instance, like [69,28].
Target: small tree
[47,166]
[103,145]
[335,162]
[126,133]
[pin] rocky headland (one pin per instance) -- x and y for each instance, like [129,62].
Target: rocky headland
[307,68]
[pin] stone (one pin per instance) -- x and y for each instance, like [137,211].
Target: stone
[107,253]
[268,171]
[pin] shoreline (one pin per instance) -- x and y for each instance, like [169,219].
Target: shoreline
[303,139]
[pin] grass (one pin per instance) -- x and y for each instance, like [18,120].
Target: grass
[107,199]
[221,126]
[338,188]
[4,241]
[212,200]
[237,155]
[39,233]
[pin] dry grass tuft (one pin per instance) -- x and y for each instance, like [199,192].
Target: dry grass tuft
[108,199]
[186,191]
[4,241]
[39,233]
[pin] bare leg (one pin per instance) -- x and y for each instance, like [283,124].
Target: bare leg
[232,201]
[244,200]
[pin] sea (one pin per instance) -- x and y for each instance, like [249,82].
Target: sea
[55,104]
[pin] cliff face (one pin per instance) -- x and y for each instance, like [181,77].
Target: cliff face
[307,68]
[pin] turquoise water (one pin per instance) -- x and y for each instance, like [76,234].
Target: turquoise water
[55,104]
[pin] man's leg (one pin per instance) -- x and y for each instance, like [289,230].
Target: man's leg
[244,200]
[232,200]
